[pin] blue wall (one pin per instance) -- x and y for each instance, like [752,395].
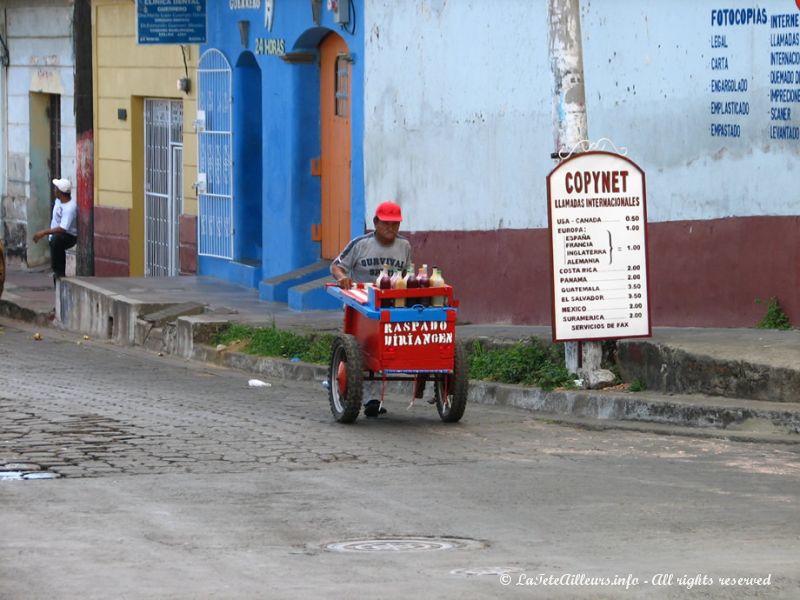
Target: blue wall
[247,160]
[276,134]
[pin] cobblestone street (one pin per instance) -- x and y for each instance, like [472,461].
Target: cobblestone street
[87,409]
[178,480]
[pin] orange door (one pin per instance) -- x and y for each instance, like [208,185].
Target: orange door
[335,133]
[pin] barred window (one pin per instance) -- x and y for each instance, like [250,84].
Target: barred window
[343,86]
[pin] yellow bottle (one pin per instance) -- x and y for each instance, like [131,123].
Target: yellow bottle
[400,284]
[436,281]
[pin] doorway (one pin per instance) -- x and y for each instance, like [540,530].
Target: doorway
[45,165]
[163,187]
[335,110]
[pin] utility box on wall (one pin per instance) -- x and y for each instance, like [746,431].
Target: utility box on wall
[341,11]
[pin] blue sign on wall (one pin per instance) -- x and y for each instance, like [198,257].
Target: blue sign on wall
[171,21]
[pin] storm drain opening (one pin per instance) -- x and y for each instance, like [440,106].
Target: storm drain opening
[24,472]
[404,544]
[486,571]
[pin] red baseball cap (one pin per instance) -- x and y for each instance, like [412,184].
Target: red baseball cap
[389,211]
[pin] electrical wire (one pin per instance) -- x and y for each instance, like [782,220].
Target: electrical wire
[185,67]
[6,54]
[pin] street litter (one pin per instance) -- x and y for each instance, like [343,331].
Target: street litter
[37,336]
[258,383]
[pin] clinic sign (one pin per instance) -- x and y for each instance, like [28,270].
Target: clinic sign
[171,21]
[598,248]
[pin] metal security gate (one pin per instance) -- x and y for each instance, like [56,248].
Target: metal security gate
[215,165]
[163,187]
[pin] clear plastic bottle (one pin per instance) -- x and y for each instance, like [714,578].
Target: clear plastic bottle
[436,281]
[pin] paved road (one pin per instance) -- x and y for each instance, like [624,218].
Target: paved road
[180,481]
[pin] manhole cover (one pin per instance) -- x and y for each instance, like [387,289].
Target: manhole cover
[398,544]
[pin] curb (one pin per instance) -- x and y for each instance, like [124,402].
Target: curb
[723,418]
[694,416]
[18,313]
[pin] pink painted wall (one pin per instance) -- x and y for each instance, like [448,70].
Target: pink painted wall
[111,242]
[702,273]
[187,250]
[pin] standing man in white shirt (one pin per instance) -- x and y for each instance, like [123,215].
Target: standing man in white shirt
[63,231]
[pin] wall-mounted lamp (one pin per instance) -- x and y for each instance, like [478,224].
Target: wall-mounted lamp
[184,85]
[244,33]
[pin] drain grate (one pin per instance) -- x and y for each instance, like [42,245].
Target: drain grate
[24,471]
[24,475]
[403,544]
[485,571]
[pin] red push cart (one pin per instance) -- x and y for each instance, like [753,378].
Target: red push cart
[415,343]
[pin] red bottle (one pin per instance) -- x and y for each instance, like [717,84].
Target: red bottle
[384,282]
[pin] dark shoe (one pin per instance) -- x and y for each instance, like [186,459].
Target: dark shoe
[373,408]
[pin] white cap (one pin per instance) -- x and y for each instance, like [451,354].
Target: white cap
[63,185]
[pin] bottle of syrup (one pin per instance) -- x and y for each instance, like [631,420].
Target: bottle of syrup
[400,284]
[437,281]
[384,282]
[423,281]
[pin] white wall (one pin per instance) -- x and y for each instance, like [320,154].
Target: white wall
[458,108]
[458,124]
[39,39]
[649,75]
[40,44]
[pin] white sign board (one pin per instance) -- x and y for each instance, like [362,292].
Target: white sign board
[598,248]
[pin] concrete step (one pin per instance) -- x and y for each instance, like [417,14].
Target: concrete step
[768,372]
[311,295]
[698,412]
[276,289]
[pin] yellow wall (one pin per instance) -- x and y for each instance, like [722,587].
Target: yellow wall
[124,74]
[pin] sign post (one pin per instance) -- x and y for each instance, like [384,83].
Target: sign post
[598,248]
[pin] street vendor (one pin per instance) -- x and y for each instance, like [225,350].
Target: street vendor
[362,258]
[361,262]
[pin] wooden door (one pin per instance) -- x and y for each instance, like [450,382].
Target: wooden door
[335,107]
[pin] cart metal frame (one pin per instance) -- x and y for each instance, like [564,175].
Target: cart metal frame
[382,342]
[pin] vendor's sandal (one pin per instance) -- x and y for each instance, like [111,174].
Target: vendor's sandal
[373,408]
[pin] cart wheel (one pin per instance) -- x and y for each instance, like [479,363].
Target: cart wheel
[451,409]
[346,379]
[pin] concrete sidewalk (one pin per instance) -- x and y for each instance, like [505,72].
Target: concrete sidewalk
[737,383]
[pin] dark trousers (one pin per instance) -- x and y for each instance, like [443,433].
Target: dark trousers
[59,244]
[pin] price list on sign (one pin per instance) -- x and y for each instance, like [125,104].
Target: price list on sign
[598,247]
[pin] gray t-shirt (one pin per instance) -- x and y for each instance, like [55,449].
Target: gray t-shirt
[364,257]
